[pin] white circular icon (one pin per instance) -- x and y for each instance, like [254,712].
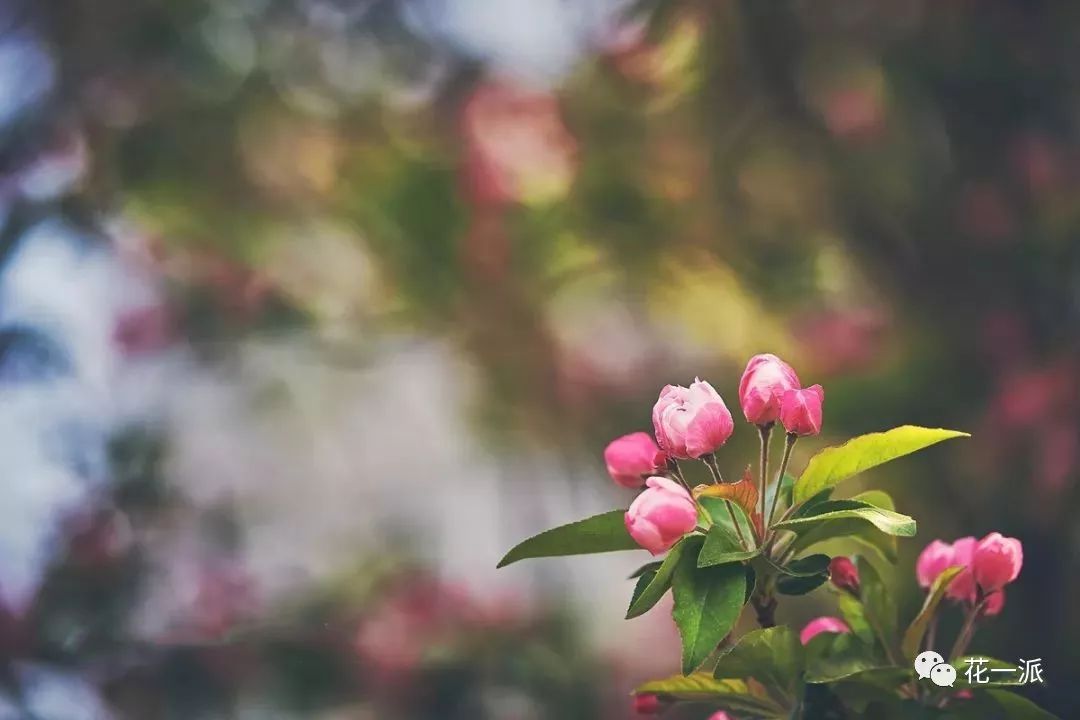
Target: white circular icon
[943,675]
[926,661]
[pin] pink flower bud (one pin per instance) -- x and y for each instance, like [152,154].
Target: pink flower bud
[762,388]
[995,602]
[691,422]
[933,560]
[661,515]
[822,625]
[800,410]
[631,458]
[844,574]
[647,704]
[720,715]
[996,561]
[962,588]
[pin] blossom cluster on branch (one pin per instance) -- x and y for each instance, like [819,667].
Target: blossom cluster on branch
[749,542]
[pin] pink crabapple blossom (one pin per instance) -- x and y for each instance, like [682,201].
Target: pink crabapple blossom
[820,625]
[631,458]
[647,704]
[844,574]
[933,560]
[996,561]
[661,515]
[762,388]
[691,422]
[800,410]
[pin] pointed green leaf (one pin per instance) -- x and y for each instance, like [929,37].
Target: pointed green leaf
[1017,707]
[647,567]
[851,530]
[717,510]
[648,593]
[879,606]
[837,656]
[887,521]
[988,678]
[854,614]
[801,585]
[913,636]
[598,534]
[723,547]
[808,566]
[835,464]
[734,695]
[772,656]
[707,604]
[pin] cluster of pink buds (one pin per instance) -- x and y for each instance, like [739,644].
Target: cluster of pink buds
[693,423]
[988,566]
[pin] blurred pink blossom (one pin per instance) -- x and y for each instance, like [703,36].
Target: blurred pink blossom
[517,148]
[822,625]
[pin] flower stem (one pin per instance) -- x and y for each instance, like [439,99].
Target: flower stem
[765,433]
[789,443]
[714,469]
[966,632]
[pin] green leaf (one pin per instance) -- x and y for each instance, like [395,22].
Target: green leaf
[831,657]
[854,614]
[786,486]
[879,606]
[836,464]
[851,530]
[801,576]
[887,521]
[772,656]
[871,686]
[808,566]
[718,513]
[1017,707]
[723,547]
[993,679]
[915,632]
[707,604]
[597,534]
[800,585]
[647,567]
[732,694]
[648,593]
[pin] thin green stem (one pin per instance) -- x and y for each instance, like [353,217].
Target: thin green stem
[714,469]
[673,465]
[765,433]
[966,632]
[789,444]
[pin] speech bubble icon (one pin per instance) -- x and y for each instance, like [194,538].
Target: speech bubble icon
[926,661]
[943,675]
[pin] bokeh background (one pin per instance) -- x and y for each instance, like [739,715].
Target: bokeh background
[309,309]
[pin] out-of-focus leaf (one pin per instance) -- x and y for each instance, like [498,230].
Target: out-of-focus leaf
[1017,707]
[836,464]
[800,585]
[879,606]
[1008,674]
[730,694]
[836,656]
[915,632]
[772,656]
[597,534]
